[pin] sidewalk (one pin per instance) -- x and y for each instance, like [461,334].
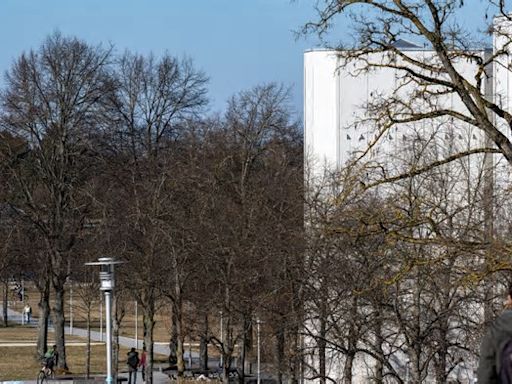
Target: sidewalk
[159,348]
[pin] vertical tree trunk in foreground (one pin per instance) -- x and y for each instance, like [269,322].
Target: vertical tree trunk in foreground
[203,347]
[44,315]
[58,325]
[149,324]
[5,302]
[88,346]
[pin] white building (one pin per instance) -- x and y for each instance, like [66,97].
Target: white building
[339,128]
[335,96]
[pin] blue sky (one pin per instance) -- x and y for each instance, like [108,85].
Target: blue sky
[238,43]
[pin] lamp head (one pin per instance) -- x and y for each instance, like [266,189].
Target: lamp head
[106,272]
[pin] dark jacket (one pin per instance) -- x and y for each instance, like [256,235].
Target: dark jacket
[133,360]
[499,332]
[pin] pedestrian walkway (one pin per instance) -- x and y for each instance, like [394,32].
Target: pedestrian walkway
[158,377]
[159,348]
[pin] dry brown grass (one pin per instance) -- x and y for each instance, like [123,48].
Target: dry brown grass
[20,362]
[18,333]
[162,318]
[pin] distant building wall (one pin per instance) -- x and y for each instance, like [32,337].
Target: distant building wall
[337,131]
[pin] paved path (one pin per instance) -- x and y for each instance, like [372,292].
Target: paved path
[160,348]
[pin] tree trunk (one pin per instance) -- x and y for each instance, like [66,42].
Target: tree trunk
[347,369]
[415,346]
[180,349]
[295,359]
[203,347]
[149,324]
[241,369]
[227,349]
[379,342]
[58,279]
[173,342]
[442,345]
[226,338]
[59,320]
[116,325]
[321,349]
[88,347]
[44,314]
[5,302]
[246,346]
[225,368]
[178,312]
[352,343]
[440,365]
[280,345]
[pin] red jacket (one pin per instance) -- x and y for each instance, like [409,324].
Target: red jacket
[142,362]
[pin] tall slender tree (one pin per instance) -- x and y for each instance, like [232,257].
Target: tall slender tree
[53,99]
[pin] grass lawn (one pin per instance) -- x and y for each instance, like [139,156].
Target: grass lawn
[20,333]
[20,363]
[162,317]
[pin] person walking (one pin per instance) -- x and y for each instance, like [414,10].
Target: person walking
[133,363]
[27,311]
[142,364]
[495,365]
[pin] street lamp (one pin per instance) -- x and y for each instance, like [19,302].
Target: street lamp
[107,286]
[101,320]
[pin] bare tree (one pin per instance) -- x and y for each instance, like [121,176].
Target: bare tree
[426,82]
[52,100]
[154,99]
[87,291]
[251,137]
[411,259]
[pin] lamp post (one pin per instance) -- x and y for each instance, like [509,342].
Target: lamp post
[101,320]
[107,287]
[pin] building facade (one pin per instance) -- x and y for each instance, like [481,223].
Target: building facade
[343,101]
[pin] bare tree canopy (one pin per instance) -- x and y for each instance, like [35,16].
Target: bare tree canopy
[379,26]
[53,100]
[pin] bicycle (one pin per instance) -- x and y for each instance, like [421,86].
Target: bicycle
[45,373]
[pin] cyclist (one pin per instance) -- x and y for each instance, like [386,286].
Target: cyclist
[49,361]
[50,358]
